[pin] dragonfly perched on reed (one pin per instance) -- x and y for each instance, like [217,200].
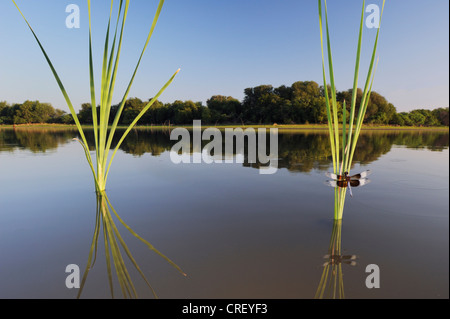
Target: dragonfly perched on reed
[346,181]
[338,259]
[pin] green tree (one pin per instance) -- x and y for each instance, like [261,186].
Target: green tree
[131,109]
[4,112]
[85,114]
[417,118]
[397,119]
[252,104]
[185,112]
[226,108]
[406,119]
[379,110]
[308,101]
[42,112]
[151,116]
[441,114]
[206,116]
[23,113]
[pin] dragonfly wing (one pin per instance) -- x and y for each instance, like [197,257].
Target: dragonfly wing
[331,175]
[349,257]
[331,183]
[351,263]
[359,182]
[355,183]
[365,173]
[361,175]
[364,181]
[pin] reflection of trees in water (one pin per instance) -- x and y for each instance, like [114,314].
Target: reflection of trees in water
[298,151]
[373,144]
[433,142]
[36,140]
[140,141]
[302,152]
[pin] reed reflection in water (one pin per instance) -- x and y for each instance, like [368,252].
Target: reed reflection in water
[115,247]
[331,285]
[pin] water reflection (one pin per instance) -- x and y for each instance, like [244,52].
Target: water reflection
[36,140]
[115,248]
[331,285]
[299,151]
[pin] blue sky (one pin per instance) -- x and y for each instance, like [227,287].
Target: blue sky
[225,46]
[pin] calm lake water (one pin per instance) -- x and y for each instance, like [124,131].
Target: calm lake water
[234,232]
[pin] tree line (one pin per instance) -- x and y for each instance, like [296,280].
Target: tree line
[301,103]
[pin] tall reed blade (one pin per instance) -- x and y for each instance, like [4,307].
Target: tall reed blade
[355,80]
[125,96]
[366,93]
[327,97]
[63,91]
[92,85]
[344,135]
[333,87]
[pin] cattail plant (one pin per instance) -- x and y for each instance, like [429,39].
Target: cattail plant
[343,152]
[103,135]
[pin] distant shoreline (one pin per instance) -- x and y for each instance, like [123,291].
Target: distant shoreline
[294,127]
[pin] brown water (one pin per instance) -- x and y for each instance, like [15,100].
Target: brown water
[234,232]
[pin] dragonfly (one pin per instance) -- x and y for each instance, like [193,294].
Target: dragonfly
[338,259]
[346,181]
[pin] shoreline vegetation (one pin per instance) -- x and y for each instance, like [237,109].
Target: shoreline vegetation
[281,127]
[301,104]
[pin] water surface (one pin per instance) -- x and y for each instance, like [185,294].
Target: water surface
[234,232]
